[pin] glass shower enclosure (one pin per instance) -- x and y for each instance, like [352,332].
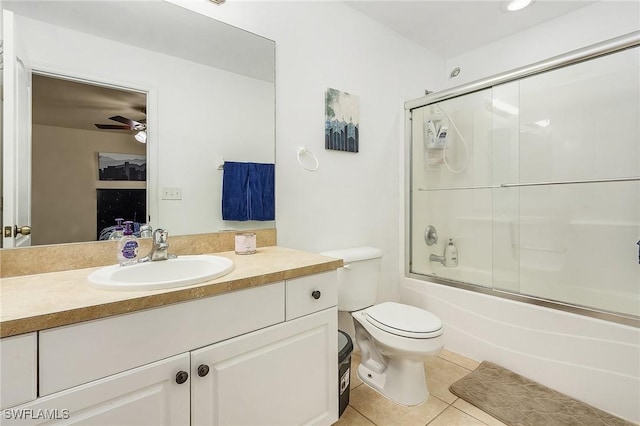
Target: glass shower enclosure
[534,177]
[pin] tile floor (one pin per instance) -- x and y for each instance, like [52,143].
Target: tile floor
[367,407]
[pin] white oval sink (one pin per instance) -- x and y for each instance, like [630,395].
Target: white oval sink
[178,272]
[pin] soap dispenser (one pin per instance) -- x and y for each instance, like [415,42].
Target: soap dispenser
[119,231]
[451,255]
[128,246]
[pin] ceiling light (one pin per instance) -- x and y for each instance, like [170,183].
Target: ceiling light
[515,5]
[141,136]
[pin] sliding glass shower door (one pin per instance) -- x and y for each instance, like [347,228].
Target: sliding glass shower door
[536,182]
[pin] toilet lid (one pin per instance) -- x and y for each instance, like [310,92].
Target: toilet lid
[404,320]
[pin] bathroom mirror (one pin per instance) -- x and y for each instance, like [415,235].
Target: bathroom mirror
[210,98]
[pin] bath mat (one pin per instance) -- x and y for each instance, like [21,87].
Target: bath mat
[518,401]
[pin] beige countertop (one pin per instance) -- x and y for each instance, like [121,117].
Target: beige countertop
[37,302]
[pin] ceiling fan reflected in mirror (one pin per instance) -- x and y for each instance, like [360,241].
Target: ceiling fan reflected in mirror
[128,124]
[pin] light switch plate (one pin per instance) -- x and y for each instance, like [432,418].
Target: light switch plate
[172,193]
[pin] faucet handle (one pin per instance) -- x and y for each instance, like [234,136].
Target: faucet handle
[146,231]
[431,235]
[160,236]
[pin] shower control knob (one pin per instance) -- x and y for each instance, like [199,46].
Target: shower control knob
[430,235]
[203,370]
[316,294]
[182,377]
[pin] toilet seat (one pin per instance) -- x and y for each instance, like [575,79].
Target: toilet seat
[404,320]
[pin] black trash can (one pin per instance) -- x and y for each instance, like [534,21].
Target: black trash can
[345,347]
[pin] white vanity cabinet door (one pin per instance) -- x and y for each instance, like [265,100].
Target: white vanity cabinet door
[18,369]
[282,375]
[148,395]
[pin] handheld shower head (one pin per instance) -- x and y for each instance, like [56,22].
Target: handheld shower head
[454,73]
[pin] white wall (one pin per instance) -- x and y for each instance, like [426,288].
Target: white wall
[592,360]
[352,199]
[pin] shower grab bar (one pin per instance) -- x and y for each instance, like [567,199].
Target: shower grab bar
[517,185]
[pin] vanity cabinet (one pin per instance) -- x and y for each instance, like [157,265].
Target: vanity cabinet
[238,358]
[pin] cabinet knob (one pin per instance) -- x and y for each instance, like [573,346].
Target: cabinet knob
[316,294]
[203,370]
[182,377]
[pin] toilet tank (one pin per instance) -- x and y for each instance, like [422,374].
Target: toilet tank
[359,277]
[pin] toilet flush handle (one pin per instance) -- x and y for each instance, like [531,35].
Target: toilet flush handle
[347,266]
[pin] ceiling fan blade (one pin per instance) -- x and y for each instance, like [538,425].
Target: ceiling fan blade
[132,124]
[112,127]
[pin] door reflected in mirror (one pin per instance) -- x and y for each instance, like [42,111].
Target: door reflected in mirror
[88,168]
[210,97]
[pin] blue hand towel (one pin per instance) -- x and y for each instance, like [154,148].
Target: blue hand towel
[235,187]
[248,191]
[261,191]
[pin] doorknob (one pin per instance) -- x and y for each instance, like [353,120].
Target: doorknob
[24,230]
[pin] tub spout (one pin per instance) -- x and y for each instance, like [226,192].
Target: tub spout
[436,258]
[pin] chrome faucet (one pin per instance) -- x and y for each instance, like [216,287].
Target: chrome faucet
[159,248]
[450,258]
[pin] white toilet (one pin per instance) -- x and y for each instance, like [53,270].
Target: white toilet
[393,338]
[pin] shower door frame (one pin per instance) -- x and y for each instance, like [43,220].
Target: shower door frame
[598,50]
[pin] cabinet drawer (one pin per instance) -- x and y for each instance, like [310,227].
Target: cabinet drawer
[18,369]
[312,293]
[80,353]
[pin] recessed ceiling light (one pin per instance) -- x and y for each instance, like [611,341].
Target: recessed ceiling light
[514,5]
